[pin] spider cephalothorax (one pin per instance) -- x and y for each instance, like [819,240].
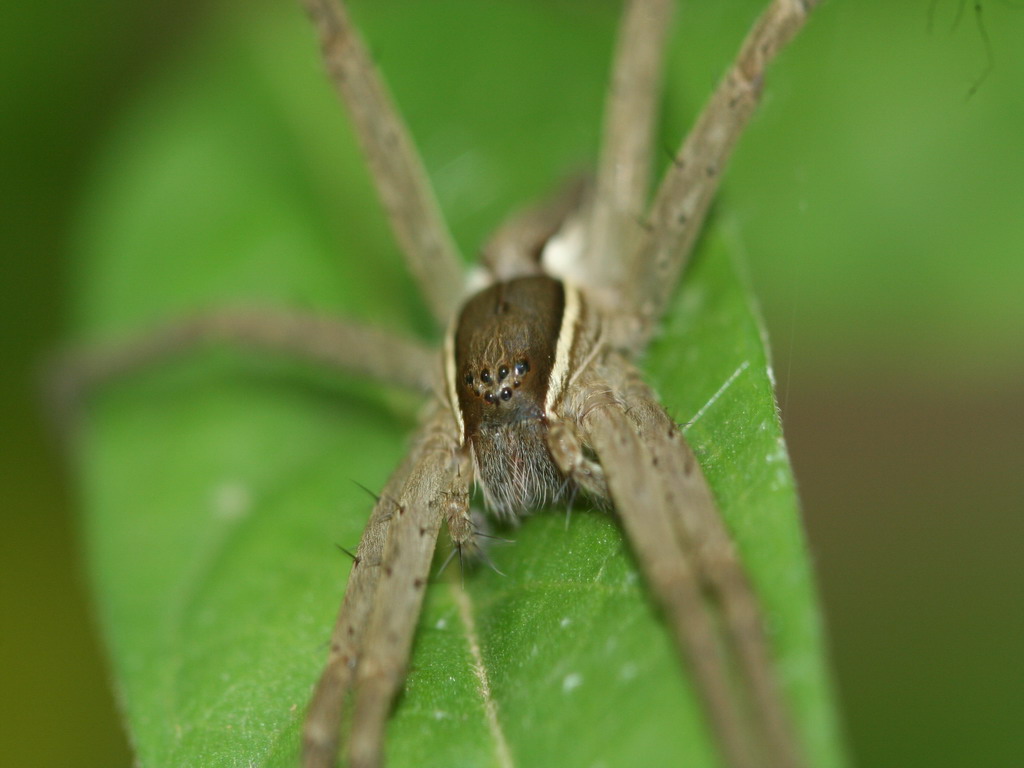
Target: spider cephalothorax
[503,357]
[539,396]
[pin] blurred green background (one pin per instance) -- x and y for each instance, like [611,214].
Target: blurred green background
[883,215]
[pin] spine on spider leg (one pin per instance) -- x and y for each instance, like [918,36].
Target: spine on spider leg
[682,200]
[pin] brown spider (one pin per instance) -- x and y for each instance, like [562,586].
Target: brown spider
[536,396]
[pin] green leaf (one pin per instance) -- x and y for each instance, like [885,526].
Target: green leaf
[216,486]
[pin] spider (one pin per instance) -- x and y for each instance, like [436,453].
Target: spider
[536,397]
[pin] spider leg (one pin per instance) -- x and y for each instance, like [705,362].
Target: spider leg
[566,446]
[320,731]
[681,203]
[620,194]
[701,531]
[397,171]
[326,341]
[638,489]
[437,489]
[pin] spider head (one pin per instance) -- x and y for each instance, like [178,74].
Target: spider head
[503,351]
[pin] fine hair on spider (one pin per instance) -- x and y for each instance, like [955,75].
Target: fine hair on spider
[535,396]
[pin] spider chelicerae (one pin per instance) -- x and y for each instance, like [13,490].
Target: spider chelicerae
[536,397]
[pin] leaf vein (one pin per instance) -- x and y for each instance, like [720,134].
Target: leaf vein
[465,607]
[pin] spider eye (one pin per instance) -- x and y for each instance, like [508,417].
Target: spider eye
[502,372]
[485,376]
[469,378]
[490,398]
[522,367]
[506,393]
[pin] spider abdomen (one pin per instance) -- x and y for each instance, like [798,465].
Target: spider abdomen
[501,359]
